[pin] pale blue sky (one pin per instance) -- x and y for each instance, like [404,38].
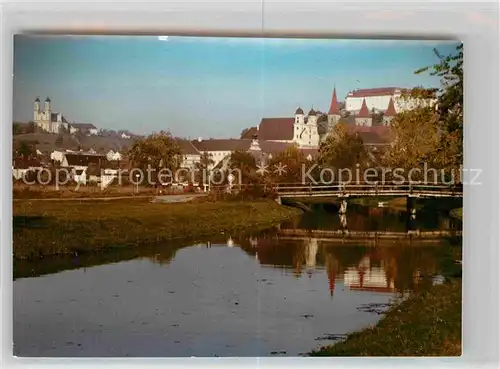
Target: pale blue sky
[208,87]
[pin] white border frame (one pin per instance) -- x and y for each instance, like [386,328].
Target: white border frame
[476,24]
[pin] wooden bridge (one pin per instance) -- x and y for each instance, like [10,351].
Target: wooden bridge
[362,190]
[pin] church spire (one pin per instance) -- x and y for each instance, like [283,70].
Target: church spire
[391,110]
[334,105]
[364,113]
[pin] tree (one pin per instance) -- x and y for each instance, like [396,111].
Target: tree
[202,167]
[343,150]
[16,129]
[158,150]
[24,149]
[32,128]
[245,163]
[415,139]
[450,100]
[287,166]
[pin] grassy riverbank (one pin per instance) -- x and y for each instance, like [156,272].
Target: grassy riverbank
[425,324]
[58,227]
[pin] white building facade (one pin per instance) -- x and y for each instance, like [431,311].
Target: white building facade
[378,99]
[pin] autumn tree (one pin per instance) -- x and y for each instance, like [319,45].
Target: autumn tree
[24,149]
[287,166]
[202,167]
[432,133]
[343,150]
[245,163]
[157,151]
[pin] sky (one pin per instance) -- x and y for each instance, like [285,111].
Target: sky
[204,86]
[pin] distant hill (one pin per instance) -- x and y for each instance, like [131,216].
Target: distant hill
[48,142]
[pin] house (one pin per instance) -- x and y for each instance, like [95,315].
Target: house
[84,128]
[219,149]
[190,154]
[20,166]
[78,163]
[114,156]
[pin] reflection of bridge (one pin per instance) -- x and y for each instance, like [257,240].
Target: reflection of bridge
[321,234]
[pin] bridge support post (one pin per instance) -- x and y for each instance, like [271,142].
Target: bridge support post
[411,206]
[343,207]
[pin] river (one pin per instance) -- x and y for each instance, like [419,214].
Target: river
[259,294]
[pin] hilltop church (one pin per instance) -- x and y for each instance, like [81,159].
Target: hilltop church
[53,122]
[47,120]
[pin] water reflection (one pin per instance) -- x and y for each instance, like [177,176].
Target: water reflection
[231,295]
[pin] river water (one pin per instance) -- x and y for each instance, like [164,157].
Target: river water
[262,294]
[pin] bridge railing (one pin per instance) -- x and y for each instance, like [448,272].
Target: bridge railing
[340,187]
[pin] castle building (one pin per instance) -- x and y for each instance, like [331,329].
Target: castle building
[364,118]
[389,113]
[301,130]
[378,99]
[48,120]
[334,111]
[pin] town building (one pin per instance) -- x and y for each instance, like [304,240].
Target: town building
[364,118]
[84,128]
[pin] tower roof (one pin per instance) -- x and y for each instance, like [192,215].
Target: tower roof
[47,99]
[299,111]
[311,112]
[364,113]
[37,99]
[334,105]
[391,110]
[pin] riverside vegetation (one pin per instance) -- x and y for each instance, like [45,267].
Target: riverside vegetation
[43,228]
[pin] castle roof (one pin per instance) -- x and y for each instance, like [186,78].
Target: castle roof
[334,105]
[391,110]
[311,112]
[37,99]
[187,147]
[299,111]
[380,91]
[47,99]
[363,113]
[276,129]
[249,132]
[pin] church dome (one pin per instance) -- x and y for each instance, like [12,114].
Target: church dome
[47,99]
[299,111]
[37,99]
[311,112]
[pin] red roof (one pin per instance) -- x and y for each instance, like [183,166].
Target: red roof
[276,129]
[334,105]
[222,144]
[249,133]
[391,111]
[21,163]
[376,135]
[380,91]
[364,113]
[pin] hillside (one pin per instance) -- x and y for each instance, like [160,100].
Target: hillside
[48,142]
